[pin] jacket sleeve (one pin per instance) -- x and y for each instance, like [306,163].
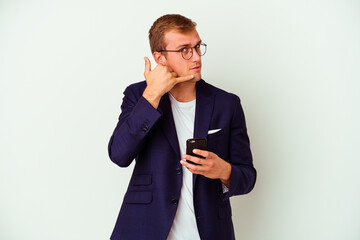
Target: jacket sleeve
[136,120]
[243,173]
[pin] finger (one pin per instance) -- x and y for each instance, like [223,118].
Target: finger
[192,168]
[184,79]
[184,163]
[203,153]
[193,159]
[147,65]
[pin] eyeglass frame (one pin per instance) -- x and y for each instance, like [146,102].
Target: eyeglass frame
[191,50]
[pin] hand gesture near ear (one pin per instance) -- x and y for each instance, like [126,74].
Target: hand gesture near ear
[160,81]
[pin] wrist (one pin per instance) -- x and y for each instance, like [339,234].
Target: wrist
[225,179]
[152,97]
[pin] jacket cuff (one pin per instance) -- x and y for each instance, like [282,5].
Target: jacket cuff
[145,111]
[234,181]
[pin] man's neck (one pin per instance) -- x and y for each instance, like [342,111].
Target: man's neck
[184,92]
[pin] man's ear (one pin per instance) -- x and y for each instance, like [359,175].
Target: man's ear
[159,58]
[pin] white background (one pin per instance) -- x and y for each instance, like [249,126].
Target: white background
[65,64]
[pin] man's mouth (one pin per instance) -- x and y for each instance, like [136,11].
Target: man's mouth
[197,68]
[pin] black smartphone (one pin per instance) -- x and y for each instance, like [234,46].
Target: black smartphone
[195,143]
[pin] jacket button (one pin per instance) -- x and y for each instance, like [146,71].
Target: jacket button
[144,129]
[178,170]
[174,201]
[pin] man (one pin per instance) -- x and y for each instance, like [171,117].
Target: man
[169,197]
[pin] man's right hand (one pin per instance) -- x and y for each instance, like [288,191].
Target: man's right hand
[160,81]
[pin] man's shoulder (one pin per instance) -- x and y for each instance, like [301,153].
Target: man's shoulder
[136,88]
[137,85]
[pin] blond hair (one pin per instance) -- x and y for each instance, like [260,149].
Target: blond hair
[165,24]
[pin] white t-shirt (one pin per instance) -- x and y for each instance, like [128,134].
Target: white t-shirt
[184,226]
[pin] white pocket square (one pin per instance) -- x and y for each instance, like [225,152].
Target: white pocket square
[214,131]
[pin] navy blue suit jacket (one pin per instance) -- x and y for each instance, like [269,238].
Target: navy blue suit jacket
[148,135]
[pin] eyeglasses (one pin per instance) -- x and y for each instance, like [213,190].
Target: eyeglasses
[187,52]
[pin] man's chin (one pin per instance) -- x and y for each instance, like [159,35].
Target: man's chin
[197,77]
[195,80]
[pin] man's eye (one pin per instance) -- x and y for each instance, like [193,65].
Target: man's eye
[185,50]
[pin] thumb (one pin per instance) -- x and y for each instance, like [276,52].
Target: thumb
[147,66]
[184,79]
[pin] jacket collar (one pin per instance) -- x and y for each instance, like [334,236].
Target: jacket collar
[168,124]
[204,109]
[203,112]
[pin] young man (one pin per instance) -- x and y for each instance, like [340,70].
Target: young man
[168,197]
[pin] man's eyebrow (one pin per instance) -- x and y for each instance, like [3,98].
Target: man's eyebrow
[188,45]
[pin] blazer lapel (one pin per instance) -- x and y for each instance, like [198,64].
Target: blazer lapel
[203,112]
[168,125]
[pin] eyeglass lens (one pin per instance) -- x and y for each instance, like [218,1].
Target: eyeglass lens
[188,52]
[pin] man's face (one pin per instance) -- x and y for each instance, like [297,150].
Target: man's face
[176,41]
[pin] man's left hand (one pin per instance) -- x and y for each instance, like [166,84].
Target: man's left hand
[211,167]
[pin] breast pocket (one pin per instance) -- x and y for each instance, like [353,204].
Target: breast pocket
[217,139]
